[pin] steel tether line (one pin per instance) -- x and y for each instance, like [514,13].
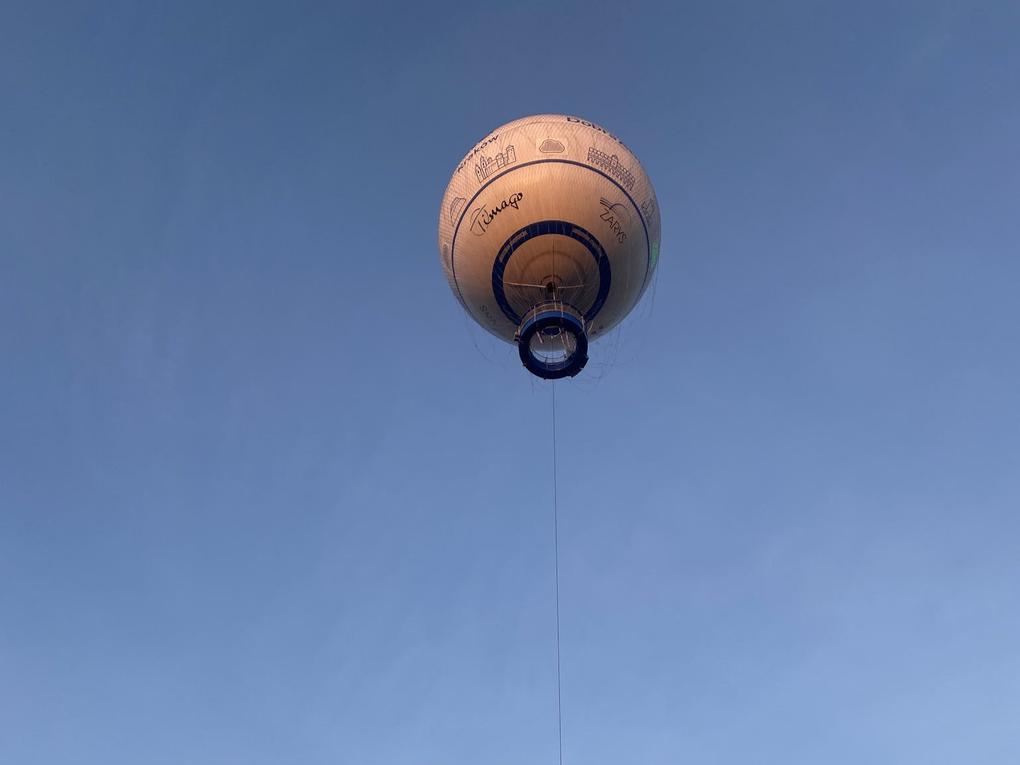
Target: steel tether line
[556,559]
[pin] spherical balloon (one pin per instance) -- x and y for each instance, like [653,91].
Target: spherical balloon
[549,236]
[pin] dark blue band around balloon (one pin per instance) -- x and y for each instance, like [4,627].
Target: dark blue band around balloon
[544,228]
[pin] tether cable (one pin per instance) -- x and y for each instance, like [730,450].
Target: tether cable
[556,559]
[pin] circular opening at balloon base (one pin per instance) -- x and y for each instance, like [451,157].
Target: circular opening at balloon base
[552,342]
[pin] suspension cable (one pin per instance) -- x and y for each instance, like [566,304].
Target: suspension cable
[556,559]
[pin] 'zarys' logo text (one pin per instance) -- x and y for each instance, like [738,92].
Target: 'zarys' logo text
[481,217]
[615,216]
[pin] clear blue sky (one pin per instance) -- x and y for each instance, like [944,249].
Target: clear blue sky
[266,495]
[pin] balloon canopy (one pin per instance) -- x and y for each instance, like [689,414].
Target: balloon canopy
[549,236]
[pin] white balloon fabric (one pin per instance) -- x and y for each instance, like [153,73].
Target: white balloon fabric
[549,236]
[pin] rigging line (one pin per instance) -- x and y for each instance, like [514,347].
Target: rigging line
[556,558]
[542,286]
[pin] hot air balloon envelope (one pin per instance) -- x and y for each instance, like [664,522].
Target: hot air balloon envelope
[549,236]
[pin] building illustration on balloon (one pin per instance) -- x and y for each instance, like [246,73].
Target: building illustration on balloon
[488,165]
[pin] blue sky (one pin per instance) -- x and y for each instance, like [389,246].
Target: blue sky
[267,496]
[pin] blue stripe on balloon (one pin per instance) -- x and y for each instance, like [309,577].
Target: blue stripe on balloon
[467,206]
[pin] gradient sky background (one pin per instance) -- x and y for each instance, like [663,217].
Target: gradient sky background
[267,496]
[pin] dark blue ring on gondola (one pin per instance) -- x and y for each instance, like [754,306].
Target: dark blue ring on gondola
[563,321]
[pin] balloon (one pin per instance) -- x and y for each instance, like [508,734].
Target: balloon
[549,236]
